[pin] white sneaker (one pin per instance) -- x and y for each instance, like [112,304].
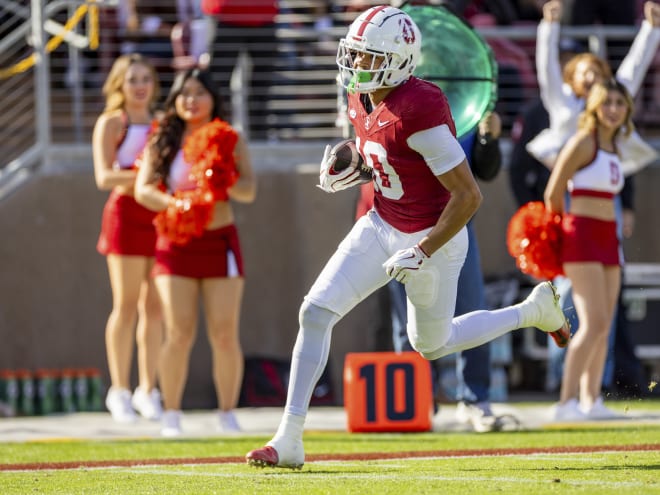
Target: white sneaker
[569,411]
[290,453]
[599,411]
[478,415]
[171,423]
[118,402]
[147,404]
[541,310]
[227,422]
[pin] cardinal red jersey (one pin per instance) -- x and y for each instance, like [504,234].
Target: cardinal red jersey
[408,195]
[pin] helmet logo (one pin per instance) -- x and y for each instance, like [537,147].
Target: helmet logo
[407,31]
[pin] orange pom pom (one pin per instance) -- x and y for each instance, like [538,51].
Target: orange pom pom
[210,151]
[534,238]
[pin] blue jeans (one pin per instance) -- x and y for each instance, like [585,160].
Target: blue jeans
[472,365]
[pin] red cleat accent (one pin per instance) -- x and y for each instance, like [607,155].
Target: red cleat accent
[265,456]
[562,336]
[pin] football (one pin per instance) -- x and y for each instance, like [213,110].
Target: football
[348,156]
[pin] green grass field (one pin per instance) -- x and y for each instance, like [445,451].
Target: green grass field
[601,458]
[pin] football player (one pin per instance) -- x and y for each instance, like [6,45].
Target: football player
[424,196]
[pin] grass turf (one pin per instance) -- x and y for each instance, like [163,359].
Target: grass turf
[484,471]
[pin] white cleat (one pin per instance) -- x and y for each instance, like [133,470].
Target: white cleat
[291,455]
[541,310]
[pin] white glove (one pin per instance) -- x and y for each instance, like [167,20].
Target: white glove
[405,263]
[332,181]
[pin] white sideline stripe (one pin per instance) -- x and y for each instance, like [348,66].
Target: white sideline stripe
[381,476]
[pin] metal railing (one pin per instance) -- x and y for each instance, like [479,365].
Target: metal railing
[58,100]
[25,83]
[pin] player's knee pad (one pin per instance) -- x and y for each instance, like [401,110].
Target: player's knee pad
[422,289]
[429,338]
[315,318]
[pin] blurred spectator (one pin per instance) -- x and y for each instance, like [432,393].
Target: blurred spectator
[503,11]
[516,78]
[563,94]
[145,27]
[242,25]
[528,176]
[606,12]
[190,36]
[530,10]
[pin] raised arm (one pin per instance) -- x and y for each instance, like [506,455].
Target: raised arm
[548,68]
[642,52]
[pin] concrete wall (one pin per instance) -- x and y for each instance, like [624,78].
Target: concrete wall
[55,295]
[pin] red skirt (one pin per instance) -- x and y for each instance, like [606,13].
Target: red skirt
[216,254]
[126,228]
[589,239]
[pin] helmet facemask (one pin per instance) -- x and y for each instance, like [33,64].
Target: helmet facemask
[393,41]
[386,70]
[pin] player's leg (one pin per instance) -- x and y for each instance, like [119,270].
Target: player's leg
[432,298]
[353,272]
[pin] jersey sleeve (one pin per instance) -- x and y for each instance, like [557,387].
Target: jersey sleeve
[428,109]
[439,148]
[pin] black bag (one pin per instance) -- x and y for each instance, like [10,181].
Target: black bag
[265,383]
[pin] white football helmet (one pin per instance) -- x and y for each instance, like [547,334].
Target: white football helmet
[394,41]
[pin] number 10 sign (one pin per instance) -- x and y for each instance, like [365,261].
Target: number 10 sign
[388,392]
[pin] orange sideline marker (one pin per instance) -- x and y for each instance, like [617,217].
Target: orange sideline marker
[387,392]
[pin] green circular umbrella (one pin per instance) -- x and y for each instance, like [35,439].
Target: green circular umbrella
[457,59]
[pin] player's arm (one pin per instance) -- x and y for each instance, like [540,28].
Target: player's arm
[445,157]
[635,65]
[463,204]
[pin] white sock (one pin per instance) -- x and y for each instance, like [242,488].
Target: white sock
[291,427]
[309,358]
[476,328]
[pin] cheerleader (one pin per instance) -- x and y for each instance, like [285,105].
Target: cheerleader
[589,169]
[128,238]
[194,164]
